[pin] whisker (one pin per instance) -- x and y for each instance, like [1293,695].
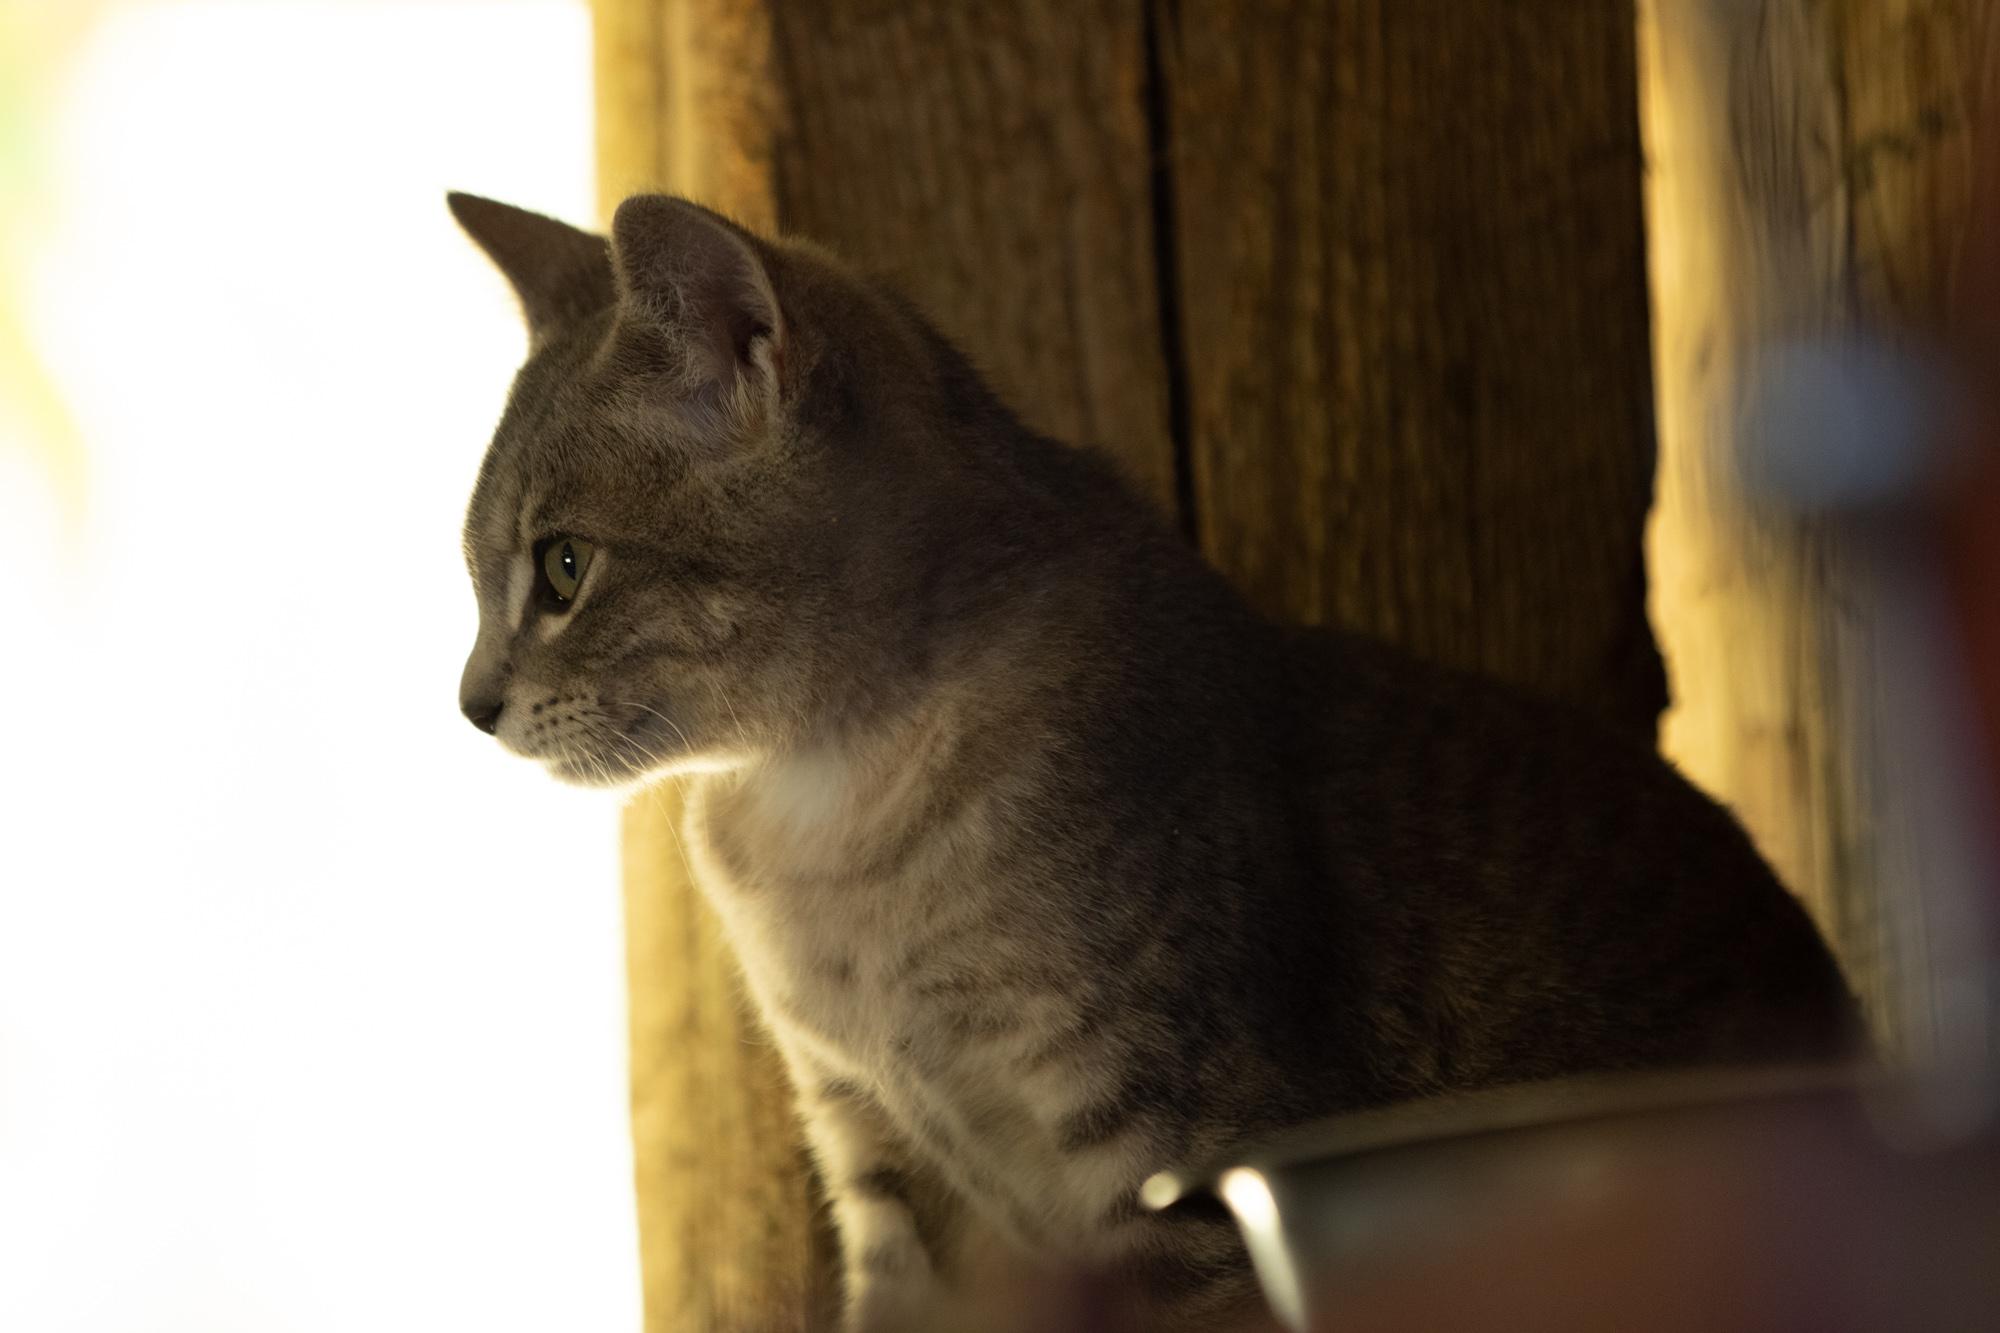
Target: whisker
[680,844]
[742,734]
[686,743]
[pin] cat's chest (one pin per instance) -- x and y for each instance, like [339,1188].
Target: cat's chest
[968,1020]
[820,941]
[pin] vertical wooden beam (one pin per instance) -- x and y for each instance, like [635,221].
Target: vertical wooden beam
[731,1232]
[993,159]
[1414,299]
[732,1238]
[1811,177]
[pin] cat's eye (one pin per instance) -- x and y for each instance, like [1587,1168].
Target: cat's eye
[562,560]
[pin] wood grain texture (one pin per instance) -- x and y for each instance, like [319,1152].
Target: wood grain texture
[1811,179]
[992,160]
[1414,297]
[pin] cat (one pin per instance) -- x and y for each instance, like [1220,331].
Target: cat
[1048,863]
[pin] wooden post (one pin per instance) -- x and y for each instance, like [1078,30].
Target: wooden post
[731,1234]
[1811,177]
[993,160]
[1417,368]
[1355,291]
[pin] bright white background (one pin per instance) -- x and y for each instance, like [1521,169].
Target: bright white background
[310,998]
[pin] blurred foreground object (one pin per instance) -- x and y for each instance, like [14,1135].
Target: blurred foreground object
[1968,504]
[1814,171]
[1878,446]
[1723,1201]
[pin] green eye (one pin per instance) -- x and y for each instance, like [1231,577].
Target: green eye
[563,561]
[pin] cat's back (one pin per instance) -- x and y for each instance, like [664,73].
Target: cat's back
[1522,890]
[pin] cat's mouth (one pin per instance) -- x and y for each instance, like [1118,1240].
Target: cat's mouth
[648,747]
[580,741]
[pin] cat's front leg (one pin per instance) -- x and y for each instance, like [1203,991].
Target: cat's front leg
[891,1212]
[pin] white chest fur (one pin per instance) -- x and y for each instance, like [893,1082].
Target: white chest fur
[910,975]
[816,938]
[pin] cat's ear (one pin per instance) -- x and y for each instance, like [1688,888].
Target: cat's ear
[700,279]
[561,273]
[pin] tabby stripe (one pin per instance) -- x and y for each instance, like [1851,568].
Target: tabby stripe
[1063,1044]
[889,1259]
[1099,1123]
[887,1183]
[842,1091]
[1145,1093]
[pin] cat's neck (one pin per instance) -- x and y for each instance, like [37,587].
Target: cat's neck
[851,798]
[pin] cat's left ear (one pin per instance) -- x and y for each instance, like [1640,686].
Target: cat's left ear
[700,278]
[561,273]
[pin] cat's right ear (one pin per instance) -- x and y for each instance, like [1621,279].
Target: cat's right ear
[700,279]
[561,273]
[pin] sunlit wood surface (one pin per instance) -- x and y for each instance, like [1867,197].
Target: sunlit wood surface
[1811,175]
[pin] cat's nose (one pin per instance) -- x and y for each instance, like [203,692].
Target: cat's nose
[482,713]
[483,686]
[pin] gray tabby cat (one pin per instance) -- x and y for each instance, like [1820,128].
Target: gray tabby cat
[1049,864]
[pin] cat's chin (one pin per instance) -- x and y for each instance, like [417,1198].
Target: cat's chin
[625,777]
[576,773]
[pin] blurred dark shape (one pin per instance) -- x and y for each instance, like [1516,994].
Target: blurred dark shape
[1890,440]
[1715,1201]
[1845,425]
[1966,496]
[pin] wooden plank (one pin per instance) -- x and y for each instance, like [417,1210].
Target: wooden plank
[1414,296]
[993,160]
[730,1235]
[1811,178]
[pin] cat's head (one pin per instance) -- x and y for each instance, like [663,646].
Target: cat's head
[688,538]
